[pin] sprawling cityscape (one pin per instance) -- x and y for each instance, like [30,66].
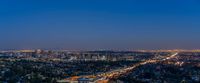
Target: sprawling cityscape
[99,41]
[141,66]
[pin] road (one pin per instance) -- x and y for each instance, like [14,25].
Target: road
[106,76]
[119,72]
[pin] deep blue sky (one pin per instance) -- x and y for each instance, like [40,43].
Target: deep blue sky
[99,24]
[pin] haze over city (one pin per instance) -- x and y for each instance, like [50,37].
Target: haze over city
[103,24]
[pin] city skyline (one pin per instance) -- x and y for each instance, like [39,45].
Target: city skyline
[93,25]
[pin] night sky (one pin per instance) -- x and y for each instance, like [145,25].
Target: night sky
[99,24]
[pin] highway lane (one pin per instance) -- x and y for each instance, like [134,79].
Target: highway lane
[119,72]
[106,76]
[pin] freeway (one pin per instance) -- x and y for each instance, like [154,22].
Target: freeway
[119,72]
[106,76]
